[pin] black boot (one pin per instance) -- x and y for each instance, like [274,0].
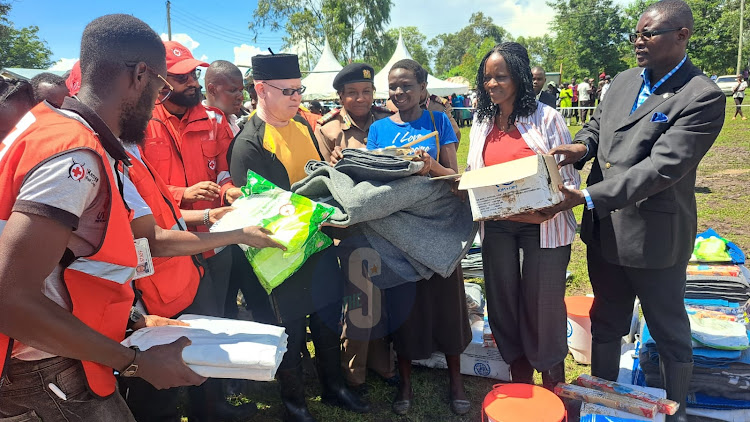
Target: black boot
[293,395]
[335,391]
[521,371]
[605,359]
[553,376]
[676,377]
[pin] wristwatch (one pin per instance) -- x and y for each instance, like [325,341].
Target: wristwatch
[132,368]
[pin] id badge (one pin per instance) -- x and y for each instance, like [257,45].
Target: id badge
[145,266]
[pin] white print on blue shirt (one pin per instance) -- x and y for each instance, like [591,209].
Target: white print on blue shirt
[406,139]
[385,132]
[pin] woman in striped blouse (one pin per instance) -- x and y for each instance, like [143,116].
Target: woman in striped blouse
[525,256]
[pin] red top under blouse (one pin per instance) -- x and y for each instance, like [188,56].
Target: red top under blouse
[502,147]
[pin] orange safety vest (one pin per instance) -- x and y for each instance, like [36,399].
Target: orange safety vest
[98,284]
[172,287]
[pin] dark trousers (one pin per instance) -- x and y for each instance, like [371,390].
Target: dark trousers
[26,395]
[525,295]
[325,328]
[585,112]
[146,402]
[662,296]
[219,267]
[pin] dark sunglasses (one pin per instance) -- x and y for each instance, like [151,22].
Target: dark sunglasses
[165,91]
[182,79]
[633,36]
[289,91]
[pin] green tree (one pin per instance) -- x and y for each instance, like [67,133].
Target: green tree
[472,59]
[353,28]
[589,36]
[414,41]
[713,46]
[21,47]
[449,49]
[541,51]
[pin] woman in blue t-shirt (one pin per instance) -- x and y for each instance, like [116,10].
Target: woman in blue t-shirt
[407,80]
[436,317]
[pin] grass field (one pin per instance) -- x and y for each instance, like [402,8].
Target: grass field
[723,198]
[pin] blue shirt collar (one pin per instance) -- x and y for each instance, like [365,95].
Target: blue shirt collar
[646,76]
[646,88]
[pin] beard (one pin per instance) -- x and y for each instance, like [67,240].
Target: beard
[185,100]
[134,119]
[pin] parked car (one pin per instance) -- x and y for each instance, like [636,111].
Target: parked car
[726,83]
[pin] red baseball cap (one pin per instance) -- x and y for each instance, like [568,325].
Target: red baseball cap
[74,79]
[179,59]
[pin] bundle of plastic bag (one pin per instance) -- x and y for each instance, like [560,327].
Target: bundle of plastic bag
[294,220]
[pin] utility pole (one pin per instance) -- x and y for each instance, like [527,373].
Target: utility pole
[739,47]
[169,23]
[307,53]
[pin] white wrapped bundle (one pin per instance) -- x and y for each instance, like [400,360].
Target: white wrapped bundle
[221,348]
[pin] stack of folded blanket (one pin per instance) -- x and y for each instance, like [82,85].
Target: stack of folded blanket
[721,356]
[416,224]
[717,270]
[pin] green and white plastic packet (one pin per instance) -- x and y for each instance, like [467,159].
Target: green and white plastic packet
[294,220]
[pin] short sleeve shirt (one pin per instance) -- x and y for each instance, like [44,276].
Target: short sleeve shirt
[386,132]
[134,199]
[72,189]
[583,91]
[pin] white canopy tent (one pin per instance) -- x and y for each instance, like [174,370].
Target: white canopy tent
[434,85]
[319,82]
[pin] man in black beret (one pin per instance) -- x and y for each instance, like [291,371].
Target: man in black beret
[276,143]
[347,127]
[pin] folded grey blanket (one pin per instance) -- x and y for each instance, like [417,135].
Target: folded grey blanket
[416,224]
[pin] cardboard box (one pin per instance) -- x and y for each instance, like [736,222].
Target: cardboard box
[476,360]
[502,190]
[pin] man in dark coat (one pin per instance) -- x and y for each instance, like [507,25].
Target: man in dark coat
[640,220]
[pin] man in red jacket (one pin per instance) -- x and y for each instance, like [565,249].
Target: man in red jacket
[186,143]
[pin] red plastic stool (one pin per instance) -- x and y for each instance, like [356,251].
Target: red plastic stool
[522,403]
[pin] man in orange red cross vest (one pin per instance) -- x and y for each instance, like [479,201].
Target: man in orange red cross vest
[66,249]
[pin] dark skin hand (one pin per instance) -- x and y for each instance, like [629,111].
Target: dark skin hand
[572,153]
[530,217]
[195,217]
[572,199]
[30,248]
[181,243]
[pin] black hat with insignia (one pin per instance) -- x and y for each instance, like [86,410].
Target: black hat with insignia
[354,72]
[275,66]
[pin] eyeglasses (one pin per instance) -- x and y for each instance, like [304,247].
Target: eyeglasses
[289,91]
[633,36]
[165,91]
[182,79]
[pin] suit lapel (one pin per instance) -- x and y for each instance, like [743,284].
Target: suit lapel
[663,93]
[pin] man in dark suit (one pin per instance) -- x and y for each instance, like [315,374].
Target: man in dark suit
[538,79]
[640,219]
